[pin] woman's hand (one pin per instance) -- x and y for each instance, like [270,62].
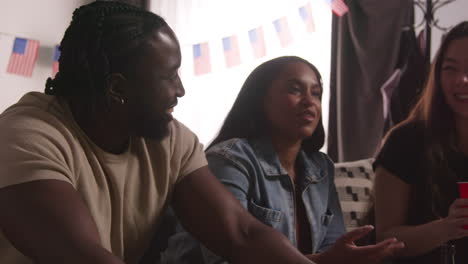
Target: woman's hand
[345,251]
[452,225]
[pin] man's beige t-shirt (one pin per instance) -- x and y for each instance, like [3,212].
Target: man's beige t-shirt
[39,140]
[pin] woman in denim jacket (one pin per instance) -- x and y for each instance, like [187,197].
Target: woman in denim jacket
[267,154]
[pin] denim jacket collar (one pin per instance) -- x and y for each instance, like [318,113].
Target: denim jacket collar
[272,167]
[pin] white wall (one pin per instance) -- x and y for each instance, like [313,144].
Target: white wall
[447,16]
[43,20]
[209,97]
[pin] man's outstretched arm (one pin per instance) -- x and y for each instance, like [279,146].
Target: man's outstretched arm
[213,215]
[48,221]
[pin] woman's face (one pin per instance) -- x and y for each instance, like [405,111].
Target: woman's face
[454,78]
[292,105]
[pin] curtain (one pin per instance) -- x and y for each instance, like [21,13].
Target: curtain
[365,52]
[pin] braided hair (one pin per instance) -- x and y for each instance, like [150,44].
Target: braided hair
[103,37]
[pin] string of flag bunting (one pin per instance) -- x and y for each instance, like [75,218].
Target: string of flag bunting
[201,51]
[24,52]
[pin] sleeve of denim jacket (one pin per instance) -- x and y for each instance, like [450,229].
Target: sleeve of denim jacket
[232,173]
[336,227]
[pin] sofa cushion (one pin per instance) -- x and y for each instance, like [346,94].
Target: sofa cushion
[354,181]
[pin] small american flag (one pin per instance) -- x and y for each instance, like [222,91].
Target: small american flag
[23,57]
[282,30]
[201,58]
[306,14]
[338,7]
[231,51]
[257,41]
[55,65]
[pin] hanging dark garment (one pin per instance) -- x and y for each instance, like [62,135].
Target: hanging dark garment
[413,68]
[365,51]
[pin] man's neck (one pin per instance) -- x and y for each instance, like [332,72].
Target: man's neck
[106,128]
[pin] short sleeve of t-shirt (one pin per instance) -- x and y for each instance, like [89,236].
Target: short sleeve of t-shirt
[32,148]
[188,151]
[402,152]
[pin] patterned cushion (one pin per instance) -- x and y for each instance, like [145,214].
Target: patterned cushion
[354,181]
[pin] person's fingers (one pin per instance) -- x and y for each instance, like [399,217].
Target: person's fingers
[460,222]
[372,249]
[463,233]
[371,254]
[460,232]
[460,202]
[459,212]
[356,234]
[390,250]
[382,250]
[460,235]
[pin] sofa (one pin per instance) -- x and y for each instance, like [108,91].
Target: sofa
[354,181]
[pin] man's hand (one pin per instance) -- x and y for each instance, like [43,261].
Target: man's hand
[345,251]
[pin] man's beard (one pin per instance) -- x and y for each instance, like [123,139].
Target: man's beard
[155,128]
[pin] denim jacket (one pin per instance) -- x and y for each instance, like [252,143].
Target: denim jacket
[251,170]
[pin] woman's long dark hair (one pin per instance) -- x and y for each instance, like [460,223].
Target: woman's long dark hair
[247,118]
[437,119]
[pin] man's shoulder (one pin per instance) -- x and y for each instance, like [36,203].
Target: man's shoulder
[33,117]
[34,100]
[33,106]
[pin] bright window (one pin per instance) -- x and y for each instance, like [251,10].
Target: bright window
[209,97]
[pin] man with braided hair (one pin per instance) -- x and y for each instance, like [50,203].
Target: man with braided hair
[87,168]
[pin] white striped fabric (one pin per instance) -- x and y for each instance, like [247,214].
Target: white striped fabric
[354,182]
